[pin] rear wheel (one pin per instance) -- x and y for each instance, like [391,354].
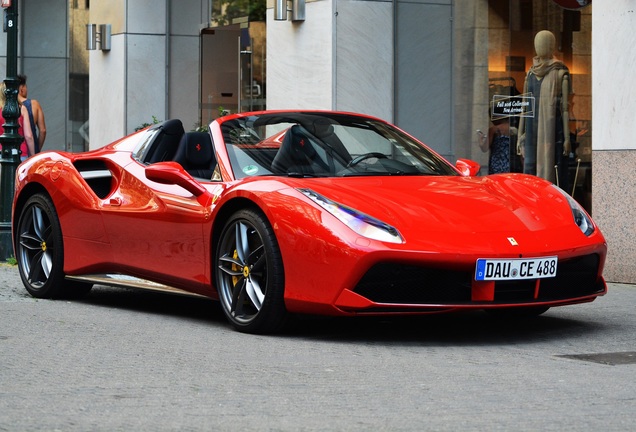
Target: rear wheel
[250,276]
[40,251]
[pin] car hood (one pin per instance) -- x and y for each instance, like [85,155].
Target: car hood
[470,208]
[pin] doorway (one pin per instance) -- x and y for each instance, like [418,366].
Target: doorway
[233,70]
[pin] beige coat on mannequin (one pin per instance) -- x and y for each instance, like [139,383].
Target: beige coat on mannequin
[538,146]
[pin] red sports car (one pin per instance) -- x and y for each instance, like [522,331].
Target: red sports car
[301,212]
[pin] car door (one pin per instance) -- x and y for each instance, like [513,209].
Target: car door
[157,231]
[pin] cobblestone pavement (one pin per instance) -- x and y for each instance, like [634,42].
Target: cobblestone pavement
[124,360]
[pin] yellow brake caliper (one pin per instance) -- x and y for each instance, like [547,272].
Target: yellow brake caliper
[235,268]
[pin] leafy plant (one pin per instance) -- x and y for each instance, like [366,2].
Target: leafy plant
[155,120]
[223,111]
[199,128]
[12,261]
[225,11]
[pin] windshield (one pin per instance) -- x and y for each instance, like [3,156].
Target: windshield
[324,145]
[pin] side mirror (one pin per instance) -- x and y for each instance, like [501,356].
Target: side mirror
[467,167]
[172,173]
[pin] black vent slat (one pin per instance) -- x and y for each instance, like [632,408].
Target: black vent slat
[410,284]
[575,278]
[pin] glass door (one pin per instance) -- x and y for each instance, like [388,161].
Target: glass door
[233,59]
[252,67]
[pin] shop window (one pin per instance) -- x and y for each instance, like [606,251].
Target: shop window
[526,76]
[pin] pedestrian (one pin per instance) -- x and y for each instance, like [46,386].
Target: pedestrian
[27,147]
[497,142]
[36,115]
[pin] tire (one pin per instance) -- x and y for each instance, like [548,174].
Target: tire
[249,274]
[40,252]
[517,312]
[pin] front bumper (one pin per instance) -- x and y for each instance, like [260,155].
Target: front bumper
[394,287]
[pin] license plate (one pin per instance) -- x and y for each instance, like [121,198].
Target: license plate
[514,269]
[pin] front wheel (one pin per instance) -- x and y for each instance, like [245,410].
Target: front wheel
[40,251]
[250,275]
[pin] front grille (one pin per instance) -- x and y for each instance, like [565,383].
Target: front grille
[419,285]
[410,284]
[575,277]
[514,291]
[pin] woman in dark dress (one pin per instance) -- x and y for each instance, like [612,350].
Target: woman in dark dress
[497,142]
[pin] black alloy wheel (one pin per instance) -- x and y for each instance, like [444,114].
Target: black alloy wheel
[40,251]
[250,275]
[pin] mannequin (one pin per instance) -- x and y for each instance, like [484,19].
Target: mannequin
[544,137]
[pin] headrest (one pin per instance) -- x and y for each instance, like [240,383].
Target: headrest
[321,128]
[300,144]
[198,148]
[172,127]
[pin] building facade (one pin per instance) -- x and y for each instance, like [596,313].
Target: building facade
[439,69]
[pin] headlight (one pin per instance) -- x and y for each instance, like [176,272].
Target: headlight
[360,223]
[581,218]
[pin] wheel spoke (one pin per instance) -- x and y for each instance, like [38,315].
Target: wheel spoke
[242,246]
[255,293]
[47,264]
[253,288]
[30,242]
[38,222]
[255,255]
[36,268]
[259,265]
[238,298]
[235,267]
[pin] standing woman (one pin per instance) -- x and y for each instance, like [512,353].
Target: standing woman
[497,141]
[27,148]
[36,114]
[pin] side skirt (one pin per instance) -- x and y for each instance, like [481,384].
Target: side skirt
[125,281]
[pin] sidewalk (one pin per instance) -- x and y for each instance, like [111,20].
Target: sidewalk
[11,288]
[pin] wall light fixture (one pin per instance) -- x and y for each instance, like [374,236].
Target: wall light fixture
[101,37]
[297,10]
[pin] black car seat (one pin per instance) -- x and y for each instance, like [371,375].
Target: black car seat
[196,154]
[297,155]
[165,144]
[323,129]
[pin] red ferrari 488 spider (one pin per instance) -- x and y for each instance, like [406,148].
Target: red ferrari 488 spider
[301,212]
